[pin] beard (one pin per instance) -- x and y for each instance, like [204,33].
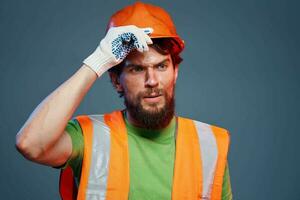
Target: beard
[155,118]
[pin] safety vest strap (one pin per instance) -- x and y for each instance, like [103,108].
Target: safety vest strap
[118,177]
[87,129]
[67,187]
[117,185]
[223,140]
[201,156]
[187,182]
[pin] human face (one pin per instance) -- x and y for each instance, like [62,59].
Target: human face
[148,80]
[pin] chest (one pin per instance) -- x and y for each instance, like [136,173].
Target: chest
[151,168]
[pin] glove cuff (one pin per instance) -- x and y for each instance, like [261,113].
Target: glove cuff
[99,61]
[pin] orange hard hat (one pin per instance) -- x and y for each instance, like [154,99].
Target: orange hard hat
[145,15]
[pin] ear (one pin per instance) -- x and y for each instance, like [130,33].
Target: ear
[115,80]
[176,68]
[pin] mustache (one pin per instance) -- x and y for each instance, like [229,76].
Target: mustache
[152,91]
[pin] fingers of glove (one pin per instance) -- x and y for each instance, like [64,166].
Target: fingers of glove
[147,30]
[146,48]
[144,40]
[138,37]
[148,39]
[126,36]
[119,49]
[128,40]
[142,43]
[139,41]
[138,46]
[145,45]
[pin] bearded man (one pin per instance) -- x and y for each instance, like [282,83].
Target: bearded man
[145,151]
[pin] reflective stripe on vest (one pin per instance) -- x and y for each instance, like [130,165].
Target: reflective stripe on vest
[201,155]
[97,178]
[209,155]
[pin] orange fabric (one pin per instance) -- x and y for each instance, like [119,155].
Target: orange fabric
[188,178]
[145,15]
[222,138]
[187,182]
[67,187]
[87,128]
[118,177]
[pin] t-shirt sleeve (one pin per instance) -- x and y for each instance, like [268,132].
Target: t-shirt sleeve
[226,189]
[75,160]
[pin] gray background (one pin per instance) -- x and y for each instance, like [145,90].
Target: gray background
[240,71]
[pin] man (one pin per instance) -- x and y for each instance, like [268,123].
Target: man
[144,151]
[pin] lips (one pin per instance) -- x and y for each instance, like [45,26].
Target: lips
[152,98]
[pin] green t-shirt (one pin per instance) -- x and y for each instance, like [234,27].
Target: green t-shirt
[151,174]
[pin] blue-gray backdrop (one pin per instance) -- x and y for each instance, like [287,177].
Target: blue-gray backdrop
[240,71]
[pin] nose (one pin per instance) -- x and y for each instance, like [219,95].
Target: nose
[151,78]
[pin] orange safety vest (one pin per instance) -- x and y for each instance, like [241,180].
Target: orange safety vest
[200,159]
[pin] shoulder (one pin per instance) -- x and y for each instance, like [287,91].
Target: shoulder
[206,127]
[87,118]
[99,117]
[89,122]
[73,126]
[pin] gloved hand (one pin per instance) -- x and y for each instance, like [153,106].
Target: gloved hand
[116,45]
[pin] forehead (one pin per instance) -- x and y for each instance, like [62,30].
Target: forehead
[147,58]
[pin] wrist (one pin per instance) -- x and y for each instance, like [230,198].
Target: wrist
[99,61]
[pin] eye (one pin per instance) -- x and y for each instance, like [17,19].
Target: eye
[162,67]
[137,69]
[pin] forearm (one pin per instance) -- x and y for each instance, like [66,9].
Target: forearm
[47,122]
[42,138]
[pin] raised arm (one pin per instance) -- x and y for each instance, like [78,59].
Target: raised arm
[42,138]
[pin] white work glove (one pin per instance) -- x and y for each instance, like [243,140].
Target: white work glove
[116,45]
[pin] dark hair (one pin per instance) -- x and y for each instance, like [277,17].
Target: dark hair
[163,46]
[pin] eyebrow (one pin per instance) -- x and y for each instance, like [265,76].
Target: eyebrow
[138,65]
